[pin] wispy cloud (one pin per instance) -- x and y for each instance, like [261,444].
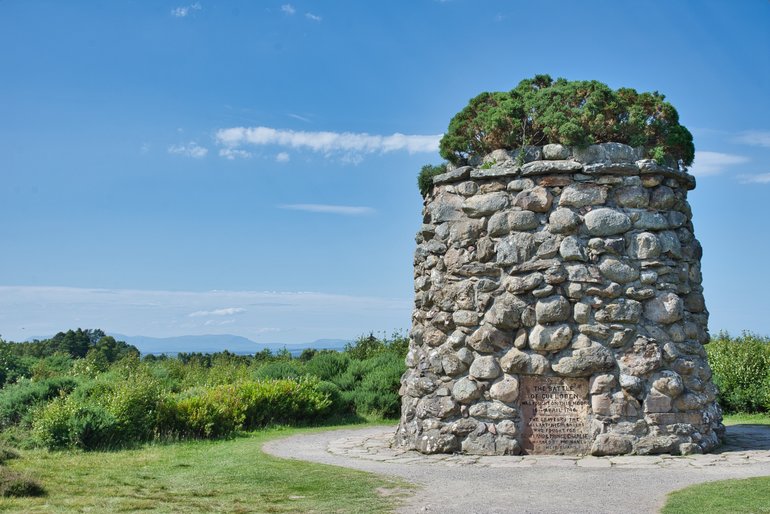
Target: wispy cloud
[347,210]
[228,311]
[754,138]
[761,178]
[713,163]
[298,117]
[191,149]
[184,10]
[293,317]
[312,17]
[282,157]
[288,9]
[350,144]
[234,153]
[218,322]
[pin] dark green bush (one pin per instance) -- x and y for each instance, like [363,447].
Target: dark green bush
[327,365]
[425,177]
[13,483]
[339,404]
[377,392]
[17,400]
[281,369]
[741,371]
[576,113]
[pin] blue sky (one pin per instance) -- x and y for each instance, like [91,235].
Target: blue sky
[174,168]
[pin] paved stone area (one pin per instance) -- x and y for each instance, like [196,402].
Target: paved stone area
[532,484]
[747,445]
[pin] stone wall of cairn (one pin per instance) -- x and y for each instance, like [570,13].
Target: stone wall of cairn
[559,309]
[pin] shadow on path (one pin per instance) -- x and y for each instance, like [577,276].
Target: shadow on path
[745,438]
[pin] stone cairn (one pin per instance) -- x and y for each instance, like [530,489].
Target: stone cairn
[559,310]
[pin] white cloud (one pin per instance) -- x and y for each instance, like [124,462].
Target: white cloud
[282,157]
[347,210]
[293,317]
[228,311]
[754,138]
[313,17]
[761,178]
[234,153]
[352,145]
[184,10]
[288,9]
[713,163]
[191,149]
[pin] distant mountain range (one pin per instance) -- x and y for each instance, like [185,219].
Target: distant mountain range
[216,343]
[220,342]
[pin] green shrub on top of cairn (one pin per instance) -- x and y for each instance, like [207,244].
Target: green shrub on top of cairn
[540,111]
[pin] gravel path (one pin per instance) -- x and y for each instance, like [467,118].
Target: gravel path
[533,484]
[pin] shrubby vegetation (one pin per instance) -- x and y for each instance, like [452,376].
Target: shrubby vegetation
[82,389]
[541,110]
[425,178]
[741,368]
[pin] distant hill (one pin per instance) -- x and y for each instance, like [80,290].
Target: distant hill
[220,342]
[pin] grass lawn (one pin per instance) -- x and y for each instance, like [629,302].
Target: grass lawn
[199,476]
[747,419]
[751,495]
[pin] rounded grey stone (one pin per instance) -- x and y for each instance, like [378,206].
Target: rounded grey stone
[552,309]
[521,184]
[484,205]
[550,338]
[485,368]
[584,362]
[563,220]
[662,198]
[618,271]
[664,308]
[555,152]
[570,249]
[452,364]
[645,245]
[522,220]
[632,196]
[506,390]
[466,390]
[606,222]
[537,199]
[491,410]
[581,195]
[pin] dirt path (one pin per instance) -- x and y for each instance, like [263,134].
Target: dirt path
[533,484]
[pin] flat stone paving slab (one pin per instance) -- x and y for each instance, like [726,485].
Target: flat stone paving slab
[532,483]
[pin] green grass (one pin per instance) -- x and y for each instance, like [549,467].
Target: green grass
[747,419]
[727,496]
[200,476]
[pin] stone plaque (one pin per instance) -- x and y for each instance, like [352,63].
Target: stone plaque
[554,413]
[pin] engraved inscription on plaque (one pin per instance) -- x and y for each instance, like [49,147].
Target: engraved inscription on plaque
[554,413]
